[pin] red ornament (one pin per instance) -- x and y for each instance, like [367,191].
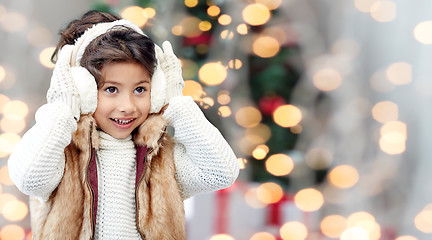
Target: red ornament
[268,104]
[200,39]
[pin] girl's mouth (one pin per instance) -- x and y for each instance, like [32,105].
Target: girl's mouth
[123,124]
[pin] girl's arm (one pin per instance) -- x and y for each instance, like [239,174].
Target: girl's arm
[37,164]
[204,161]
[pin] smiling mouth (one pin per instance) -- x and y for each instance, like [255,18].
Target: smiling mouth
[122,122]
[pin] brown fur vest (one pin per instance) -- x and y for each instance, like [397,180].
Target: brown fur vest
[70,210]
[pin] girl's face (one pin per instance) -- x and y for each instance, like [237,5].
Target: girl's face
[123,99]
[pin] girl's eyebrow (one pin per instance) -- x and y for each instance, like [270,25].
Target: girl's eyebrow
[144,81]
[113,82]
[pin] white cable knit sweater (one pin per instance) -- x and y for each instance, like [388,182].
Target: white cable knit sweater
[204,160]
[116,164]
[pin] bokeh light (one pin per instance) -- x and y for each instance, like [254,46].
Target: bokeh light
[260,133]
[287,115]
[207,102]
[260,152]
[262,236]
[423,32]
[135,14]
[212,73]
[393,137]
[269,193]
[279,164]
[224,19]
[12,125]
[423,221]
[15,210]
[385,111]
[355,218]
[224,111]
[227,34]
[242,29]
[191,3]
[150,12]
[270,4]
[221,237]
[256,14]
[4,176]
[248,117]
[277,33]
[327,79]
[223,98]
[248,142]
[242,162]
[297,129]
[309,199]
[4,199]
[251,198]
[235,64]
[177,30]
[365,223]
[8,142]
[355,233]
[15,110]
[293,231]
[406,237]
[364,5]
[13,21]
[12,232]
[205,26]
[399,73]
[3,100]
[190,26]
[2,73]
[383,11]
[266,46]
[194,89]
[45,57]
[343,176]
[213,11]
[333,226]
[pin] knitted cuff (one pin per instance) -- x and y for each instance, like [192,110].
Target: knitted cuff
[46,113]
[175,86]
[178,108]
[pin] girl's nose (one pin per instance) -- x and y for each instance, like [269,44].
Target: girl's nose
[127,104]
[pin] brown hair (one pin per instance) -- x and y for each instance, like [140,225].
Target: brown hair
[119,44]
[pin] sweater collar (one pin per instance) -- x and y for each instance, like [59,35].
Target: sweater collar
[109,142]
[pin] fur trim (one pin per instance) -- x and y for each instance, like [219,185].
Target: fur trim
[150,132]
[161,214]
[81,137]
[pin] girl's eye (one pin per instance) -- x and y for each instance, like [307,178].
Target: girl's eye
[140,90]
[111,90]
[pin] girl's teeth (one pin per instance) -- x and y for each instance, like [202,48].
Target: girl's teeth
[122,121]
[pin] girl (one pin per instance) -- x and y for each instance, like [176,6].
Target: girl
[98,163]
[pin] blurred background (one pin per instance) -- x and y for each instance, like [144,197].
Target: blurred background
[326,104]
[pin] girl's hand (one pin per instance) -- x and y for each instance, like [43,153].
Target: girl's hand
[171,67]
[62,88]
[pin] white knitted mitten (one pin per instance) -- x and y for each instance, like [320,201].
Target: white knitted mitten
[172,69]
[62,88]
